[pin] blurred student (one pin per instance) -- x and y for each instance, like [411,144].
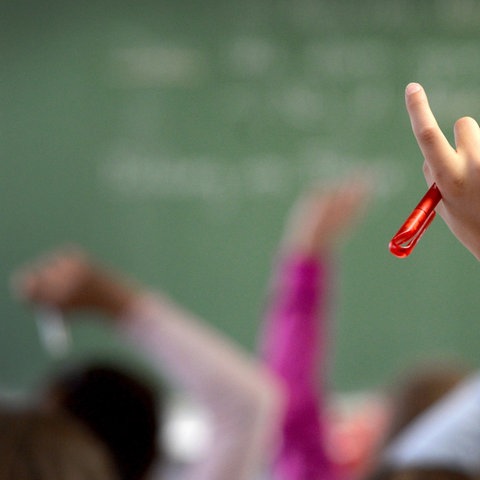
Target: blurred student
[296,346]
[117,405]
[445,441]
[37,445]
[243,400]
[295,343]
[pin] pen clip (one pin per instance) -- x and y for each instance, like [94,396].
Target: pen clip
[407,237]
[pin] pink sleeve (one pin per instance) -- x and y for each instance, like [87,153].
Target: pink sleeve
[294,347]
[239,395]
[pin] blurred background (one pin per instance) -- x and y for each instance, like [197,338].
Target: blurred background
[170,137]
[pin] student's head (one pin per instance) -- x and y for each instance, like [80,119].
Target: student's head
[422,474]
[419,388]
[119,407]
[38,445]
[414,393]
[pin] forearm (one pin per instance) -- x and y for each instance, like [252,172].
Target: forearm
[242,399]
[294,348]
[295,324]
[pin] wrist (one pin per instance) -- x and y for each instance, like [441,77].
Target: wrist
[113,296]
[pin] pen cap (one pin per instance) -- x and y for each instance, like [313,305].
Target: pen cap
[410,232]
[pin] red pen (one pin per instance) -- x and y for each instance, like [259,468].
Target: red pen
[404,241]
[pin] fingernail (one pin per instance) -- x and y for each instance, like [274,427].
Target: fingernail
[412,88]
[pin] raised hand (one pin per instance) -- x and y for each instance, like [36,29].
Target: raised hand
[323,214]
[456,171]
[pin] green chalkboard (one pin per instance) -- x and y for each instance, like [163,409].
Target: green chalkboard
[169,138]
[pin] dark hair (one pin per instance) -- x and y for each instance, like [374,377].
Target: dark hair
[421,474]
[38,445]
[420,388]
[119,407]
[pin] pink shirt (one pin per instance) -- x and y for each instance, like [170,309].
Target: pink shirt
[294,347]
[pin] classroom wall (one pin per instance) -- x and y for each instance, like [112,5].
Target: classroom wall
[169,138]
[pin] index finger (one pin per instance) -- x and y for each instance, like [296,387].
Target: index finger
[436,149]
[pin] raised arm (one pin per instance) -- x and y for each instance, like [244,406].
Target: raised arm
[456,171]
[295,333]
[241,398]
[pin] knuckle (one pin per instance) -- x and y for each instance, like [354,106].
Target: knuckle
[458,182]
[427,135]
